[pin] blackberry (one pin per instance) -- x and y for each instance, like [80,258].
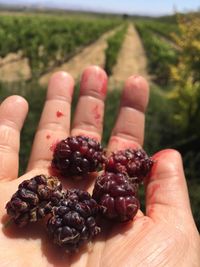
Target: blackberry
[34,199]
[117,195]
[77,156]
[134,163]
[72,223]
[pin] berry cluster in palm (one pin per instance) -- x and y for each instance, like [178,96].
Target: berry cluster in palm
[72,213]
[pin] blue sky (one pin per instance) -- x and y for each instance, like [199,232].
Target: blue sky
[151,7]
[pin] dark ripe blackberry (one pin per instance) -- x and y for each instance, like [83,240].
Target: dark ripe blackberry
[73,220]
[135,163]
[117,195]
[78,156]
[34,199]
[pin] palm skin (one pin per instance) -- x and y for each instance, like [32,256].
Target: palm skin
[165,236]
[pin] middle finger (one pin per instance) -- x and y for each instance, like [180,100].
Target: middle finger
[88,118]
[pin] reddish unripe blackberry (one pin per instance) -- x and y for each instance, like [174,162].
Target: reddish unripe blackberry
[34,199]
[73,223]
[117,195]
[134,163]
[77,156]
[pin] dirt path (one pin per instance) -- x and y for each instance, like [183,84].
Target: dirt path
[90,55]
[131,59]
[13,68]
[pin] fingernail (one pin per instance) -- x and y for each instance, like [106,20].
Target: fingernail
[94,79]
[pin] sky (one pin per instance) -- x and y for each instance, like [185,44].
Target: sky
[141,7]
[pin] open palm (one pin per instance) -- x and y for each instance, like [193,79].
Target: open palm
[165,236]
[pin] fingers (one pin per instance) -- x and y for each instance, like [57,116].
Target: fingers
[13,111]
[166,190]
[88,118]
[129,127]
[54,123]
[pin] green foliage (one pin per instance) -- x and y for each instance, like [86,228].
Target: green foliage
[111,111]
[191,161]
[167,19]
[112,51]
[160,130]
[161,55]
[186,98]
[162,28]
[35,95]
[194,192]
[186,78]
[173,117]
[49,40]
[35,99]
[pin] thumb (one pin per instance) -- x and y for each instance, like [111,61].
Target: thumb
[166,189]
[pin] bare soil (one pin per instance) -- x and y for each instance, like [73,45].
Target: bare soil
[13,68]
[131,60]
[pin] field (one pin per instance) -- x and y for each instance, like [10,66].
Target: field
[169,58]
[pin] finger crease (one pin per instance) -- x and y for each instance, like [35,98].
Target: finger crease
[8,149]
[9,124]
[60,99]
[133,109]
[52,126]
[84,125]
[127,136]
[95,97]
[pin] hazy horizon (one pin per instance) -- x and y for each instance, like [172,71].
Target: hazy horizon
[137,7]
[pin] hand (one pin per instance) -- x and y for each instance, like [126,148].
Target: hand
[165,236]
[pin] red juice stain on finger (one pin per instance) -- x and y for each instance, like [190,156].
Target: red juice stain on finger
[95,80]
[48,136]
[97,115]
[154,188]
[53,145]
[59,114]
[157,159]
[150,211]
[153,170]
[162,153]
[104,87]
[85,81]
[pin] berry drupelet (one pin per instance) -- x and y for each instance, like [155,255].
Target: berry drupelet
[34,199]
[117,196]
[72,223]
[134,163]
[78,156]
